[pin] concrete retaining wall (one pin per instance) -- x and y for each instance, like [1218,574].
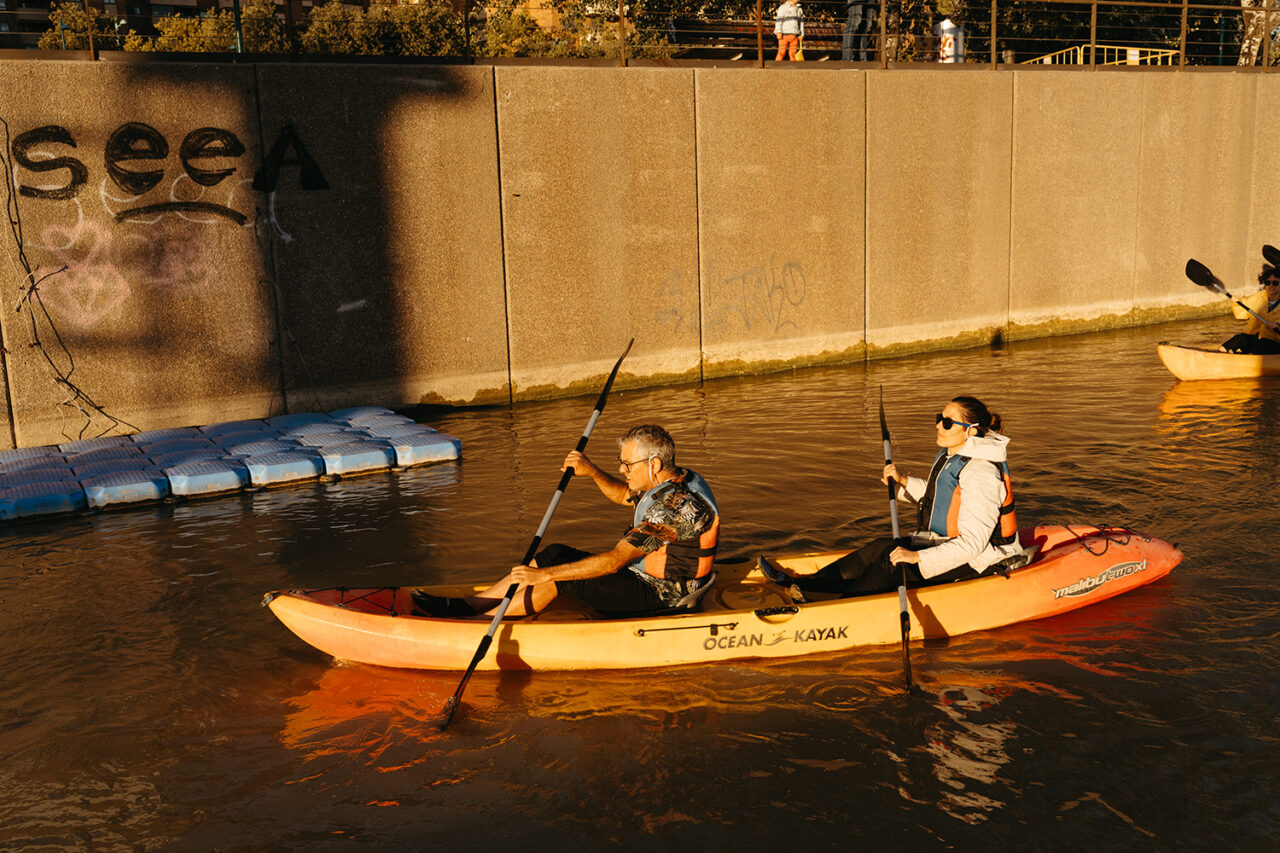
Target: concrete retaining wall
[231,241]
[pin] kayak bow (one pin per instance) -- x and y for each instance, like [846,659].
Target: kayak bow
[1195,363]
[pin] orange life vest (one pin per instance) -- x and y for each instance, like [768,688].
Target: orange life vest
[682,559]
[939,510]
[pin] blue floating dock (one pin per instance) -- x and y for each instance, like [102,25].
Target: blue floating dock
[34,463]
[356,457]
[91,444]
[41,499]
[289,466]
[7,456]
[207,478]
[104,454]
[214,459]
[110,466]
[39,475]
[424,448]
[257,448]
[125,487]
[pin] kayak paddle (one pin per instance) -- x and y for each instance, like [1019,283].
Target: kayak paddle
[905,615]
[1272,255]
[452,705]
[1203,276]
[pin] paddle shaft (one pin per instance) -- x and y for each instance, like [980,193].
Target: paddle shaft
[1203,276]
[486,641]
[1261,319]
[904,615]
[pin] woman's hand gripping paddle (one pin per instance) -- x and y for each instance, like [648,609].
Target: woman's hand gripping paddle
[905,614]
[452,705]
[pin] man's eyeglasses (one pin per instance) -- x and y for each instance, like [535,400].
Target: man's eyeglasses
[1272,282]
[626,466]
[948,423]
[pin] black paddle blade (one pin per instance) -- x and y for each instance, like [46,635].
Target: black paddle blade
[1202,275]
[613,374]
[447,715]
[884,426]
[1272,255]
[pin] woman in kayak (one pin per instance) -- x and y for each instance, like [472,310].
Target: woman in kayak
[965,524]
[1260,336]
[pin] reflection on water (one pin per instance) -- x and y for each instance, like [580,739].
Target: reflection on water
[969,750]
[150,703]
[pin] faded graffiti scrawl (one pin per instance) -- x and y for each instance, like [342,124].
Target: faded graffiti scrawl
[151,197]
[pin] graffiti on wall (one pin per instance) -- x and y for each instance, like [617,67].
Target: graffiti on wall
[161,197]
[763,298]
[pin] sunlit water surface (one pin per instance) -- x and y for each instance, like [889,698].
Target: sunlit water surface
[148,702]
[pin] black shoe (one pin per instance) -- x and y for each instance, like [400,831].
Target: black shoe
[426,604]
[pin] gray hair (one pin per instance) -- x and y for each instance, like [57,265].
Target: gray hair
[653,442]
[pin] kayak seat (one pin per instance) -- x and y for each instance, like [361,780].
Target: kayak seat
[693,600]
[1017,561]
[689,604]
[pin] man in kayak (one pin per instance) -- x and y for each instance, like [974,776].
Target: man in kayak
[661,562]
[966,522]
[1260,337]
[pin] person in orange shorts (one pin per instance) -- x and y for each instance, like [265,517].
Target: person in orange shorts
[789,28]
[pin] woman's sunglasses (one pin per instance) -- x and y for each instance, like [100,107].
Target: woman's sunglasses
[948,423]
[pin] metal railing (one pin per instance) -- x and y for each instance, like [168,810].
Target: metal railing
[1108,55]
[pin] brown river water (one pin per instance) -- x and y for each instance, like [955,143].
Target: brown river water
[149,703]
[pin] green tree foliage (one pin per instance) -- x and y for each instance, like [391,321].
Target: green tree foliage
[71,26]
[263,31]
[331,29]
[589,28]
[510,31]
[418,29]
[214,32]
[211,33]
[429,28]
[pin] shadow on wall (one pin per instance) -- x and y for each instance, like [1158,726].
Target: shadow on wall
[205,242]
[392,278]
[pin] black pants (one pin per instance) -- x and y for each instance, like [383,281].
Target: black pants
[868,570]
[1251,344]
[623,592]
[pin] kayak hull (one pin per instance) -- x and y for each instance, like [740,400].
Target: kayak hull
[743,615]
[1190,363]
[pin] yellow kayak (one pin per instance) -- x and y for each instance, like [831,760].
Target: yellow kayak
[742,615]
[1196,363]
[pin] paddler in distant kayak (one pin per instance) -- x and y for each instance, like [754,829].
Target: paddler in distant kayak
[1260,337]
[663,560]
[966,525]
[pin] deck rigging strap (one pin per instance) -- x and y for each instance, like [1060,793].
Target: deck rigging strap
[714,626]
[1105,533]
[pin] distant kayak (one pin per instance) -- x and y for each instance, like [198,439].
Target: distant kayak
[742,615]
[1196,363]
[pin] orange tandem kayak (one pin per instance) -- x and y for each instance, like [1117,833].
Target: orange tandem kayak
[1196,363]
[742,615]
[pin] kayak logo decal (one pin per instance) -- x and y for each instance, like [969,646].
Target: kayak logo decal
[812,635]
[1084,586]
